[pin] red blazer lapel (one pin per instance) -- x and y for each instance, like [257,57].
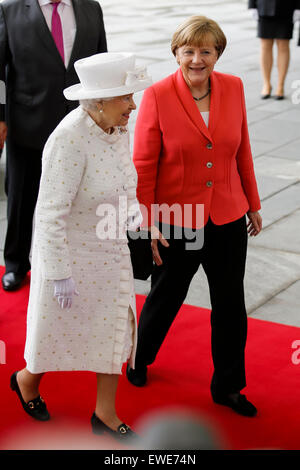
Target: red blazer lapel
[189,105]
[215,102]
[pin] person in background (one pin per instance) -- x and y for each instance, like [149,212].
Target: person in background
[276,20]
[39,42]
[192,148]
[81,311]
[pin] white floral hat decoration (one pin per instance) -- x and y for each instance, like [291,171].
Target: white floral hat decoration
[107,75]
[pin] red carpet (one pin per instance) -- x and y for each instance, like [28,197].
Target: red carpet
[179,378]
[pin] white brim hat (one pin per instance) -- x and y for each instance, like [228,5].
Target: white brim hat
[107,75]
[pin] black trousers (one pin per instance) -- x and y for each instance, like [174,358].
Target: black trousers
[22,179]
[223,257]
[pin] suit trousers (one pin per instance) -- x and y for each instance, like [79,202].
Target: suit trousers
[223,257]
[22,179]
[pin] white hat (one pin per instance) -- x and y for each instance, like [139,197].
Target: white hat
[107,75]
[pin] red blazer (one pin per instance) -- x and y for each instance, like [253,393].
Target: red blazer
[179,160]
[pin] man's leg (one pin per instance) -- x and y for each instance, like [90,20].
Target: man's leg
[23,170]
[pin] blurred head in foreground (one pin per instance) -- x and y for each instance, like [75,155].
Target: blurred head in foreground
[177,430]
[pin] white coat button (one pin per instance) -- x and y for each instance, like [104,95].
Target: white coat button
[209,184]
[209,164]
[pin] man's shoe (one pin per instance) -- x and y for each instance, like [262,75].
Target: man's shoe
[12,281]
[123,432]
[237,402]
[138,376]
[36,408]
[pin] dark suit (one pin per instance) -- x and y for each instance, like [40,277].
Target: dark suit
[35,77]
[275,7]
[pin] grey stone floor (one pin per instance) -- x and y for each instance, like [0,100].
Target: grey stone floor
[272,279]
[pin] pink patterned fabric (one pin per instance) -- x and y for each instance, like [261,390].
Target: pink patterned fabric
[56,30]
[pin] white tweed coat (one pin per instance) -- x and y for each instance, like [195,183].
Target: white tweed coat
[82,168]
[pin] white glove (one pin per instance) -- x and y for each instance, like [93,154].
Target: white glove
[135,217]
[254,13]
[64,289]
[296,16]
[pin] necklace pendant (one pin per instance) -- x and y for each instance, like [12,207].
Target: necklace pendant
[202,97]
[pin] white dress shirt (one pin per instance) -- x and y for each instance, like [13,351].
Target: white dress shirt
[66,13]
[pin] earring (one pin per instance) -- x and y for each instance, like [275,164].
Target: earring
[100,110]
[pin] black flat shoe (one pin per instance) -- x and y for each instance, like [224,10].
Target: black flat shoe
[265,97]
[123,432]
[237,403]
[36,408]
[12,281]
[279,97]
[137,377]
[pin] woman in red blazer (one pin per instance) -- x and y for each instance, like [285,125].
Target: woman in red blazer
[192,152]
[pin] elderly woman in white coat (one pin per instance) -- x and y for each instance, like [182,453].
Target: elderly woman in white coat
[81,311]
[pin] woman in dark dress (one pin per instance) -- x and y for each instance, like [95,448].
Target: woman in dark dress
[275,22]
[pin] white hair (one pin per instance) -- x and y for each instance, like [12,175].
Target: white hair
[91,105]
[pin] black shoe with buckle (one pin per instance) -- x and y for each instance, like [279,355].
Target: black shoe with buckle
[12,281]
[123,432]
[36,408]
[138,376]
[237,402]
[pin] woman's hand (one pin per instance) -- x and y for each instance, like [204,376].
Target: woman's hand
[255,223]
[134,218]
[296,16]
[155,236]
[254,13]
[64,289]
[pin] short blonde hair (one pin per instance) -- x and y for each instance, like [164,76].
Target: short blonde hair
[195,30]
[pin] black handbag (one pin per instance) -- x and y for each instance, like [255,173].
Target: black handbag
[139,244]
